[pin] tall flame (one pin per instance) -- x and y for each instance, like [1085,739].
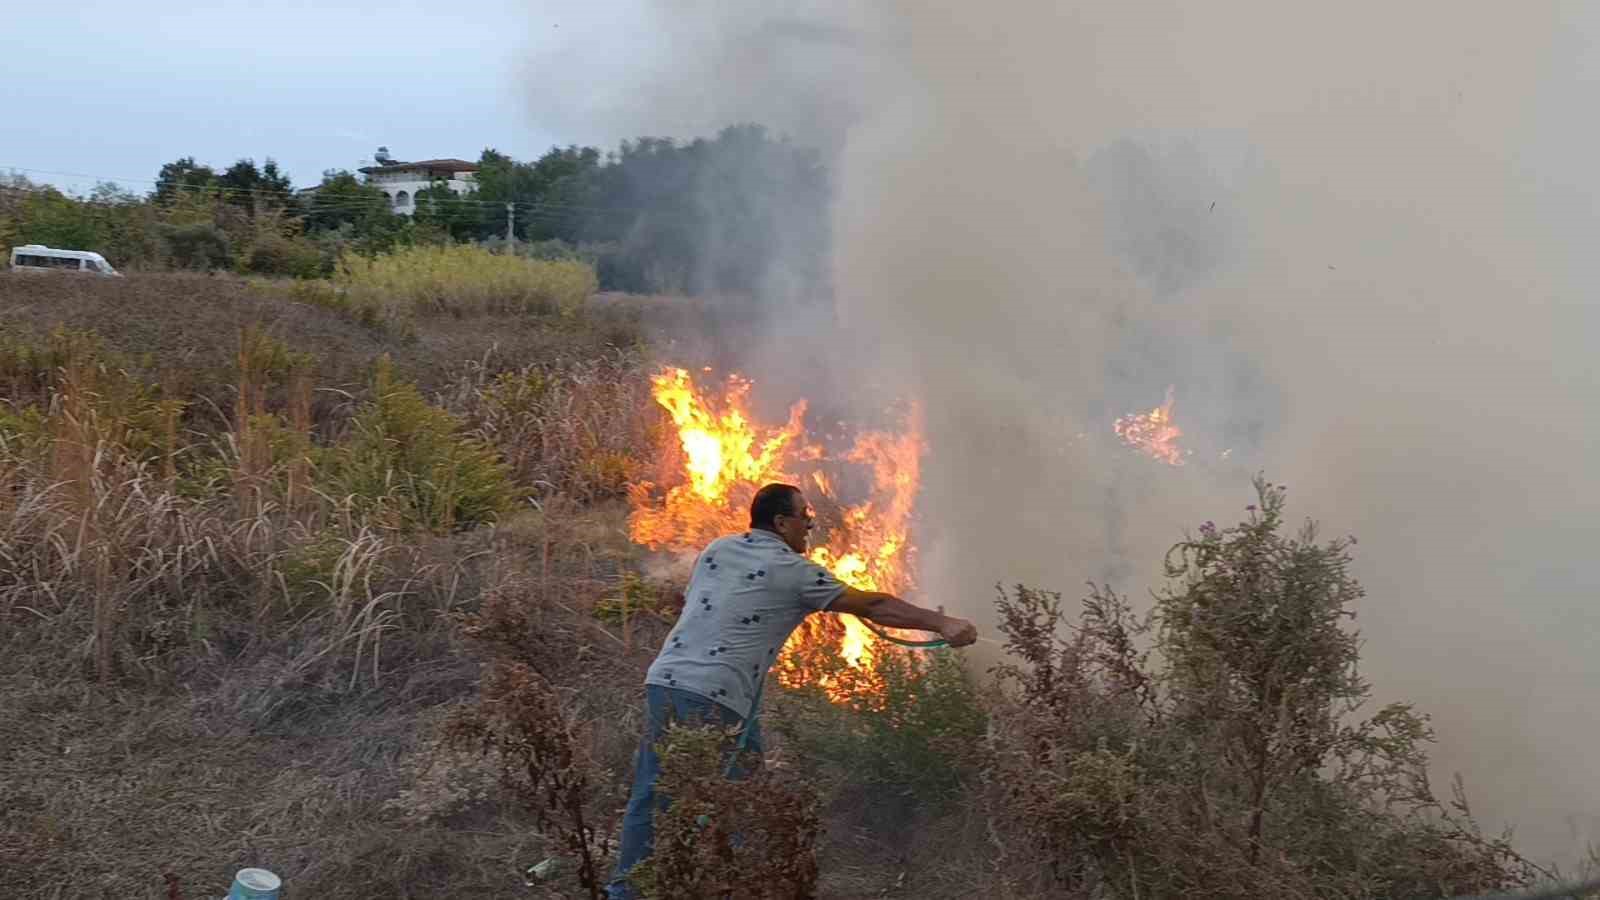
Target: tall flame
[727,455]
[1153,433]
[718,448]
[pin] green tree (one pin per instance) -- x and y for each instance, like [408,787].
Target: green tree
[244,185]
[54,219]
[356,213]
[548,193]
[183,176]
[129,233]
[463,218]
[738,213]
[111,221]
[565,198]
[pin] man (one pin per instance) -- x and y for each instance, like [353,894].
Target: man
[746,594]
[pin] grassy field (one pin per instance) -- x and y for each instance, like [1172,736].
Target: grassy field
[225,646]
[268,552]
[208,665]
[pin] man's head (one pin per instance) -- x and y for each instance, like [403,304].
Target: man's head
[781,509]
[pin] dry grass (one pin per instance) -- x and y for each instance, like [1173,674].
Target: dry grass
[307,746]
[574,427]
[165,326]
[110,791]
[459,279]
[210,660]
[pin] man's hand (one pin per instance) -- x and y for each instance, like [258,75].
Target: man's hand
[886,609]
[958,632]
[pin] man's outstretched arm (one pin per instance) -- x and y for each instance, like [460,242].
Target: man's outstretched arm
[892,612]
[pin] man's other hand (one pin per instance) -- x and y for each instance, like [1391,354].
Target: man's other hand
[958,632]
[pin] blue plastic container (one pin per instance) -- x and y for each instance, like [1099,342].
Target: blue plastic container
[255,884]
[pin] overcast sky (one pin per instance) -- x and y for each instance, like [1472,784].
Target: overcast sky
[115,88]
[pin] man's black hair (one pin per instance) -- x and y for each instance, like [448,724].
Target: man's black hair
[770,502]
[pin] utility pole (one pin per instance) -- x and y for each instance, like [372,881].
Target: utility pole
[511,216]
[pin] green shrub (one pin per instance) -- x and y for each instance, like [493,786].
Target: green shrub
[109,404]
[1236,766]
[196,246]
[551,250]
[24,433]
[30,366]
[203,475]
[408,464]
[905,736]
[275,254]
[635,596]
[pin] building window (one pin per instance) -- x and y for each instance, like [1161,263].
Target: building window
[402,200]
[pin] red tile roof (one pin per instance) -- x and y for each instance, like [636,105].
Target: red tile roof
[449,165]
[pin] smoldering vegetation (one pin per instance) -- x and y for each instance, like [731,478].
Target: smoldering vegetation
[1359,271]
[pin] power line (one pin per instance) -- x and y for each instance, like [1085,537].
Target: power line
[309,195]
[313,204]
[178,186]
[531,212]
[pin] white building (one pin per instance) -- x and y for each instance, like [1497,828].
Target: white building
[401,180]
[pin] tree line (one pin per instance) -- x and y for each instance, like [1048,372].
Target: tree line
[741,212]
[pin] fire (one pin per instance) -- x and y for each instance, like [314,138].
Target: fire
[1153,433]
[727,455]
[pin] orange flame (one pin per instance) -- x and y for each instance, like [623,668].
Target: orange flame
[727,455]
[1153,433]
[726,458]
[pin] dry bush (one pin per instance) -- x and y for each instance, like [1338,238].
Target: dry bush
[580,427]
[442,781]
[461,279]
[559,691]
[1235,767]
[754,837]
[528,725]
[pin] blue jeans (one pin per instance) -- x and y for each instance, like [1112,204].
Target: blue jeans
[663,706]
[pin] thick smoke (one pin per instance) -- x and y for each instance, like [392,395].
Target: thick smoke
[1342,232]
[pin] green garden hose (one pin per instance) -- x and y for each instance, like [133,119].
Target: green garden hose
[934,644]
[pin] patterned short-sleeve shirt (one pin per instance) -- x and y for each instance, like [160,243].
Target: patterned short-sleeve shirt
[746,595]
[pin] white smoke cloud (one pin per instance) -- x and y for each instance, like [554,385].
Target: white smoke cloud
[1346,233]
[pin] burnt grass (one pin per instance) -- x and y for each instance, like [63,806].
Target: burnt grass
[247,745]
